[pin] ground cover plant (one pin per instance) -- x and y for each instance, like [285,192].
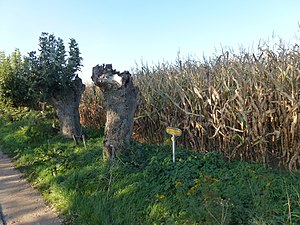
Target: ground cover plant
[145,187]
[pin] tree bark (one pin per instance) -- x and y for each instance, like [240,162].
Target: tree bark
[120,101]
[66,105]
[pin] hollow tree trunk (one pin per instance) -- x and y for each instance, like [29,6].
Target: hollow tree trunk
[66,105]
[120,101]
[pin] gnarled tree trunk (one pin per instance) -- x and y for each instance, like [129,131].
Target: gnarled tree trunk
[120,101]
[67,109]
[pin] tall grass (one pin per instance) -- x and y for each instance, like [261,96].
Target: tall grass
[245,105]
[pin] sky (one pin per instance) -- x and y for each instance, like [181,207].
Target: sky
[128,32]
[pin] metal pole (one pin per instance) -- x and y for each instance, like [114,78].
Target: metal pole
[173,139]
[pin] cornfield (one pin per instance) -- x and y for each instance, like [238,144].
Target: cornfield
[244,105]
[92,113]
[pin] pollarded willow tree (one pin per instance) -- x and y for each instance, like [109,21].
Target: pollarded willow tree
[53,73]
[120,102]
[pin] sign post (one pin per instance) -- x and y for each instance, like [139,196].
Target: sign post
[174,132]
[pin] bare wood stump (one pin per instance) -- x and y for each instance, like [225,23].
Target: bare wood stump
[120,102]
[66,105]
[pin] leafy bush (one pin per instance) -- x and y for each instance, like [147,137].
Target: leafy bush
[15,86]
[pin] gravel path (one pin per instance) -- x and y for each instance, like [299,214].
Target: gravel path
[20,204]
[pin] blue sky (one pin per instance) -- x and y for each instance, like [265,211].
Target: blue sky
[128,31]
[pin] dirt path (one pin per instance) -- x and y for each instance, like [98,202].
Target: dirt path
[20,204]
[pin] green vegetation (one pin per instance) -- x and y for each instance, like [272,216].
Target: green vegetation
[53,72]
[145,187]
[27,80]
[48,77]
[15,86]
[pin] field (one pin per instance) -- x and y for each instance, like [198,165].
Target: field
[244,105]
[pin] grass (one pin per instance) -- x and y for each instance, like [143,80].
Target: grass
[146,187]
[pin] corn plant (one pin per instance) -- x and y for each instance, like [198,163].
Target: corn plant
[92,113]
[245,105]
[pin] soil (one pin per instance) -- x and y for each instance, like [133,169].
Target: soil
[20,204]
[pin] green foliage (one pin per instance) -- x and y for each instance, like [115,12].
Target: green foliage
[54,71]
[14,81]
[25,81]
[146,187]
